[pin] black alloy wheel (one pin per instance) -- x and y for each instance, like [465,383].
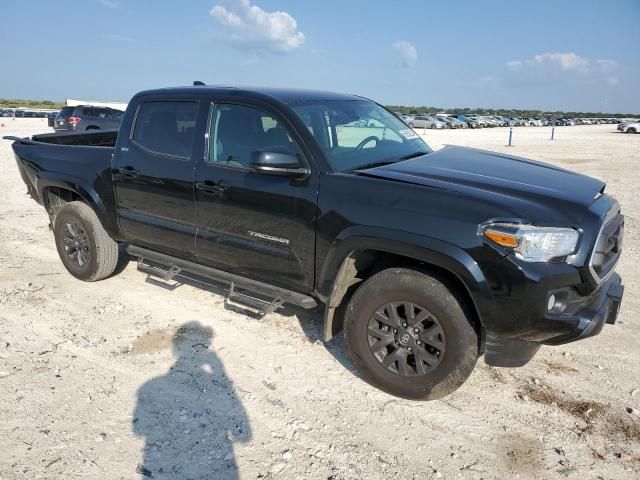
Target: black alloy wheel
[85,248]
[76,244]
[406,338]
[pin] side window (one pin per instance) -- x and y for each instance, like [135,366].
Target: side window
[88,112]
[115,114]
[166,128]
[236,131]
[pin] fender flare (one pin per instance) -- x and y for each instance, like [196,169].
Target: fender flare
[340,261]
[80,187]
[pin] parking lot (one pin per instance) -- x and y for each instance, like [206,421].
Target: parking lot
[94,385]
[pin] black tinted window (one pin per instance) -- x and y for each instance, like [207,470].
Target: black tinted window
[115,114]
[89,112]
[66,112]
[166,127]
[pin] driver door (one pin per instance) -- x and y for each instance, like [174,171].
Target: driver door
[254,224]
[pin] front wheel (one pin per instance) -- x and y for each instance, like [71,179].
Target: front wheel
[409,335]
[631,130]
[85,248]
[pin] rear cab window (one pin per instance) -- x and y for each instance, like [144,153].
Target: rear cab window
[166,127]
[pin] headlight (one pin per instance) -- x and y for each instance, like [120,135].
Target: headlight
[533,244]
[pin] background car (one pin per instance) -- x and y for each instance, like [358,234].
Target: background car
[51,118]
[437,123]
[630,127]
[479,120]
[451,122]
[87,117]
[471,121]
[423,121]
[502,121]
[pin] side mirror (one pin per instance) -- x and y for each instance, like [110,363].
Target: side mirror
[277,161]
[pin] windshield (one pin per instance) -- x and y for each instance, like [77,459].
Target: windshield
[357,134]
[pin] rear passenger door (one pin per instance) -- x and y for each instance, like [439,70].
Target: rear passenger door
[153,174]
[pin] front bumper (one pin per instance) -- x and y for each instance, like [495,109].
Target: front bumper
[584,317]
[600,308]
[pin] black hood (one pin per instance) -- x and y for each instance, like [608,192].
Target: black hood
[466,169]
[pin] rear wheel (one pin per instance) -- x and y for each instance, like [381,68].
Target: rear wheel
[631,130]
[409,335]
[85,248]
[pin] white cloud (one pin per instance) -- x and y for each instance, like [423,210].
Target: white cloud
[565,61]
[408,53]
[610,69]
[250,27]
[566,65]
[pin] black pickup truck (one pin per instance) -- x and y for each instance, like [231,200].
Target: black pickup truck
[426,260]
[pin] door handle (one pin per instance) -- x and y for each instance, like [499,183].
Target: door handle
[210,188]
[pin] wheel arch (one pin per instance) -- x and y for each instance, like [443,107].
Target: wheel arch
[357,257]
[56,191]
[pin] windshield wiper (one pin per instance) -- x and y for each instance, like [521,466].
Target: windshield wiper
[382,163]
[413,155]
[367,166]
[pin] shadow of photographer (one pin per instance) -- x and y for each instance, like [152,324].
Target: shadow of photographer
[190,417]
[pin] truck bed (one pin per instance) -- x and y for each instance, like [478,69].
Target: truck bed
[43,160]
[101,138]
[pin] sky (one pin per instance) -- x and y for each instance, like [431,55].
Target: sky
[574,55]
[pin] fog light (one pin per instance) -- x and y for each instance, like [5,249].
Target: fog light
[551,302]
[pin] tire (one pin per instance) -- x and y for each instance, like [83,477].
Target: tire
[85,248]
[446,335]
[411,124]
[631,130]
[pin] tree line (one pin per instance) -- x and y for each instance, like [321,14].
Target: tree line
[503,112]
[18,103]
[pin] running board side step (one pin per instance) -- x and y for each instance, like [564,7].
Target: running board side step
[176,265]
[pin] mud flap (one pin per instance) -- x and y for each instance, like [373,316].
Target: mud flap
[504,352]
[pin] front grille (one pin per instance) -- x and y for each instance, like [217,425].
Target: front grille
[608,247]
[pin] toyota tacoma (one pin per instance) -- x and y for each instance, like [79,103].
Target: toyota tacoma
[426,260]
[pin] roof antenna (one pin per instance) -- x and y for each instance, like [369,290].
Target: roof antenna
[198,83]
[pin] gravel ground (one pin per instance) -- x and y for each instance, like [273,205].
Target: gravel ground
[125,379]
